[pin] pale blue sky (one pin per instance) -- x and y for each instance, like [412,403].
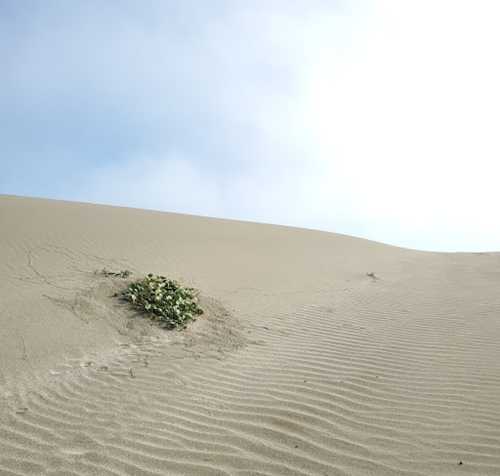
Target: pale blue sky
[378,119]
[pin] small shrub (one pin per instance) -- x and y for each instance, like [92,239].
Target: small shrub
[112,274]
[164,300]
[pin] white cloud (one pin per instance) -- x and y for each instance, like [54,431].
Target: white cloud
[407,118]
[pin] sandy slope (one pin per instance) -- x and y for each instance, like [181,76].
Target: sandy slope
[302,365]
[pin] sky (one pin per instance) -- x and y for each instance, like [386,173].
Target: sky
[373,118]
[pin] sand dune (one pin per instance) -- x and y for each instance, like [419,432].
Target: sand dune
[302,365]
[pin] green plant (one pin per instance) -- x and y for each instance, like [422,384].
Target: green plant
[164,300]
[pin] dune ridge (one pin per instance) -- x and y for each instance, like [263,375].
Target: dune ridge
[303,365]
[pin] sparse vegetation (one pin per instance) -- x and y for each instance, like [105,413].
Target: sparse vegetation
[164,300]
[112,274]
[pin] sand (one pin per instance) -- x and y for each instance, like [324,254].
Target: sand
[302,365]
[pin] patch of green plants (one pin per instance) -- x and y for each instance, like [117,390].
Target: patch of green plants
[164,300]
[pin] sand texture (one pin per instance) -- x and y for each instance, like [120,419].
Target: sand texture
[302,365]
